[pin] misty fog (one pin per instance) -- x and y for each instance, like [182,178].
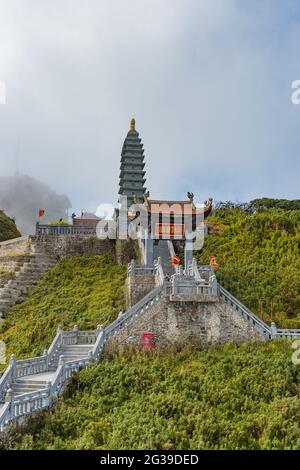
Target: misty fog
[22,196]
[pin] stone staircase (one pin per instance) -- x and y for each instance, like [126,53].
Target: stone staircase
[30,385]
[161,251]
[25,277]
[73,352]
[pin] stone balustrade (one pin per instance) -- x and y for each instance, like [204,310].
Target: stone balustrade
[253,319]
[59,229]
[134,270]
[24,404]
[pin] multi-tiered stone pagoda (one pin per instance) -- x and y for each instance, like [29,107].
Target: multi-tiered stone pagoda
[132,175]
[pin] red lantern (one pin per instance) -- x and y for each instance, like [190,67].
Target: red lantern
[213,262]
[176,260]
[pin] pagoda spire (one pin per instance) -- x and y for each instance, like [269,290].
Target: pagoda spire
[132,124]
[132,173]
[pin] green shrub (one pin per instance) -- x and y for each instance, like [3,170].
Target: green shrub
[59,222]
[259,260]
[85,290]
[229,397]
[8,229]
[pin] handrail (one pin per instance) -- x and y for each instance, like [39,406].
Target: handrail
[56,343]
[6,380]
[97,349]
[126,318]
[259,324]
[159,272]
[4,415]
[43,229]
[30,366]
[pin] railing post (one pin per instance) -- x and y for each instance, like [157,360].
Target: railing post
[8,399]
[75,329]
[174,280]
[273,330]
[46,358]
[99,329]
[131,268]
[194,268]
[12,363]
[49,386]
[214,285]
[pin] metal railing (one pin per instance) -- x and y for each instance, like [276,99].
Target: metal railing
[58,230]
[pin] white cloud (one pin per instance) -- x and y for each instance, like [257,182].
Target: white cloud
[208,82]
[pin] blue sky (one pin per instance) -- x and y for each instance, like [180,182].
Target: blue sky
[208,81]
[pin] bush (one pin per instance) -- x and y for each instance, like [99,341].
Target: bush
[259,260]
[224,398]
[8,229]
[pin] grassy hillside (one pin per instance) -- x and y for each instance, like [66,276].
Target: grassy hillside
[8,229]
[226,398]
[259,260]
[84,290]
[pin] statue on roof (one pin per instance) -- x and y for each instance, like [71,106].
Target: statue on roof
[190,196]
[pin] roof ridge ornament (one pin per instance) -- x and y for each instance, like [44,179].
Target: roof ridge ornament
[132,124]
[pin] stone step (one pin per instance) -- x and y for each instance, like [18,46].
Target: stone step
[76,347]
[28,385]
[67,357]
[30,270]
[41,262]
[11,296]
[21,391]
[4,303]
[36,382]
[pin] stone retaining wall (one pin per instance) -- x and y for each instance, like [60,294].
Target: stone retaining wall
[16,247]
[172,323]
[64,246]
[136,287]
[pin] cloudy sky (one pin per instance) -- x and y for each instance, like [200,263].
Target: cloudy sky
[208,81]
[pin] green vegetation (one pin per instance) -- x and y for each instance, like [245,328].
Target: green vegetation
[230,397]
[267,203]
[259,260]
[84,290]
[8,229]
[59,222]
[4,273]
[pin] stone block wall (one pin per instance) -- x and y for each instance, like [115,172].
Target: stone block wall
[136,287]
[64,246]
[126,250]
[172,323]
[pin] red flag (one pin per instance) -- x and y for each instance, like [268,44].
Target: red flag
[41,212]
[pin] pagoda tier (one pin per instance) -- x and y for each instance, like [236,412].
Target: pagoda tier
[132,173]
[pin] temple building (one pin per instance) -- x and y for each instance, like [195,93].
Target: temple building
[159,220]
[132,173]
